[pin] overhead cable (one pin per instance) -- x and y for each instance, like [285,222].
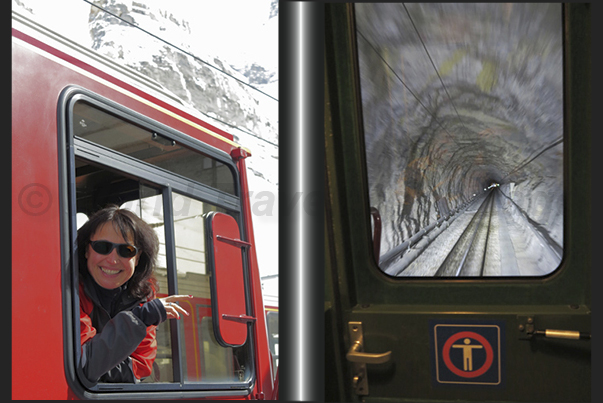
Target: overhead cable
[433,64]
[181,50]
[406,86]
[530,159]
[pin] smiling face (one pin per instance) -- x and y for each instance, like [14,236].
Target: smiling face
[110,271]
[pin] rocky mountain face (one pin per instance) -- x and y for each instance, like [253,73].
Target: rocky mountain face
[227,95]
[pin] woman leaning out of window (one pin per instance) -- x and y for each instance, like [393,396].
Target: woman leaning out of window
[119,313]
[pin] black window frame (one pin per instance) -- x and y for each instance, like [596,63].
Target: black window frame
[69,148]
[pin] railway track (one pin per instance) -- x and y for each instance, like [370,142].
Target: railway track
[467,257]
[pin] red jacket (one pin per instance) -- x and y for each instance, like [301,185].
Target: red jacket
[144,355]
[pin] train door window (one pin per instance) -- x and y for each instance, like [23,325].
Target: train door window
[462,107]
[120,162]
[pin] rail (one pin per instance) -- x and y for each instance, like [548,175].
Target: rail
[467,257]
[394,261]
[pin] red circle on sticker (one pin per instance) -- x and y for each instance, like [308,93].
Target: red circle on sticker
[467,371]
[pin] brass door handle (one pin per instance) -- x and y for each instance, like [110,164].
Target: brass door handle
[355,354]
[359,359]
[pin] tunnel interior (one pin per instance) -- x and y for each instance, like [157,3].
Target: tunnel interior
[463,101]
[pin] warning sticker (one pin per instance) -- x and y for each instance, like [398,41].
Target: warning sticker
[467,353]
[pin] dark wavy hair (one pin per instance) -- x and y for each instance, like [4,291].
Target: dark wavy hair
[142,284]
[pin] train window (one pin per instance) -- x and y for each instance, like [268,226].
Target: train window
[105,129]
[110,165]
[209,361]
[462,108]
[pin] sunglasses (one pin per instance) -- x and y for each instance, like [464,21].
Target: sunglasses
[123,249]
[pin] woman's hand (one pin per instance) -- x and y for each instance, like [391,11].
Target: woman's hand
[172,308]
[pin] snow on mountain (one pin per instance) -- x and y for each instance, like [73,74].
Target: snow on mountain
[199,84]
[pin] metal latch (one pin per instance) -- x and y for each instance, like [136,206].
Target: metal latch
[359,358]
[527,331]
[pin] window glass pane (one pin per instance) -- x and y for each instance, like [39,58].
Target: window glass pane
[463,127]
[217,362]
[149,207]
[272,320]
[205,360]
[102,128]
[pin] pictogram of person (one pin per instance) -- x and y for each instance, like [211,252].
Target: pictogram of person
[467,353]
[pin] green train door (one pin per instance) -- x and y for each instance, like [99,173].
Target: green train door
[450,126]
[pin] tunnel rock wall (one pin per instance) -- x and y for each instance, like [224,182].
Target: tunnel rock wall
[491,113]
[538,198]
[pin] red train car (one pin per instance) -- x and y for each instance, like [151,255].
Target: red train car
[87,132]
